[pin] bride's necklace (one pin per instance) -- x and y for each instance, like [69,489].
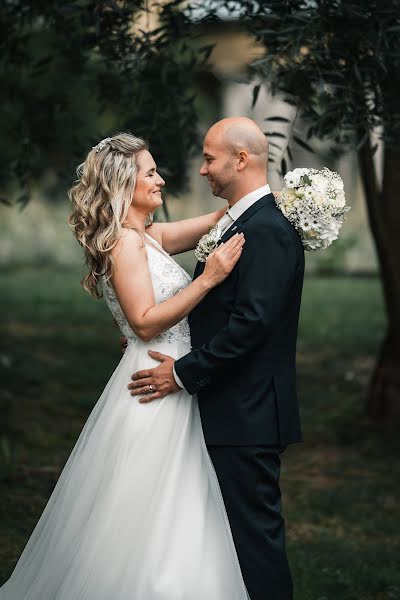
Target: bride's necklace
[129,226]
[140,233]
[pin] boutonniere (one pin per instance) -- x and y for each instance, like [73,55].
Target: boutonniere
[207,244]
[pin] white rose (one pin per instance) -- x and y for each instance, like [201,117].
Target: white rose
[330,231]
[340,200]
[312,244]
[319,198]
[319,182]
[288,194]
[337,184]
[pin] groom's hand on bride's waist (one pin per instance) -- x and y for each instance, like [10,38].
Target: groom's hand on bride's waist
[155,383]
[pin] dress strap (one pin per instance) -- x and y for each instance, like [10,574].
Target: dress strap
[158,247]
[154,242]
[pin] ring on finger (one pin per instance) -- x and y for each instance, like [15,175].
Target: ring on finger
[151,388]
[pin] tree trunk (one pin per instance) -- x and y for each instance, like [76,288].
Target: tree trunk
[383,402]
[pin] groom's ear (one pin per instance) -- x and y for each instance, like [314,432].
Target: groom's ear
[242,160]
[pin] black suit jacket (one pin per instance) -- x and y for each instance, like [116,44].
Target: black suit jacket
[242,363]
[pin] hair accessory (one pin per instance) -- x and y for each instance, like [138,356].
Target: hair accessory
[101,145]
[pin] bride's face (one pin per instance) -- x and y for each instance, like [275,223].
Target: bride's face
[147,193]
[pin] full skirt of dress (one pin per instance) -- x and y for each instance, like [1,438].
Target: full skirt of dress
[137,513]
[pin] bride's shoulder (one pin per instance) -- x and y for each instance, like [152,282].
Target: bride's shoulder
[130,242]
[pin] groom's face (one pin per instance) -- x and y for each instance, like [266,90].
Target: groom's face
[218,165]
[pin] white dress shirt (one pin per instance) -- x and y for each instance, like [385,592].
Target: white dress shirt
[235,212]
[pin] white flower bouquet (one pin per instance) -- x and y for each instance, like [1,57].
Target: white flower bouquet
[314,202]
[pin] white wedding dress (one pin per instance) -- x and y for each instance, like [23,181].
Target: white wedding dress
[137,513]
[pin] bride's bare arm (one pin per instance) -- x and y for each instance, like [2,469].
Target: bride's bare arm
[181,236]
[132,284]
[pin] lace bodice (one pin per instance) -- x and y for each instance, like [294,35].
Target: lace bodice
[168,278]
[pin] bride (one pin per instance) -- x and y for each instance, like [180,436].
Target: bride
[137,512]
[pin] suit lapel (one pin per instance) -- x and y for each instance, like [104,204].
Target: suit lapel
[198,269]
[236,226]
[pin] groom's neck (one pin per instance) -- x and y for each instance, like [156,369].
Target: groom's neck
[246,188]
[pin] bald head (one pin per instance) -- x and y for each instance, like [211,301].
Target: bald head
[242,133]
[235,158]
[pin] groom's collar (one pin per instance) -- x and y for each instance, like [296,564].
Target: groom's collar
[244,203]
[235,227]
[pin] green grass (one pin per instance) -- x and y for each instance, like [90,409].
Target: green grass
[59,348]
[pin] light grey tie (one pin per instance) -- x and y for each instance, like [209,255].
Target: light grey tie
[224,223]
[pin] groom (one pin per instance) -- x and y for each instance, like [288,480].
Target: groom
[242,365]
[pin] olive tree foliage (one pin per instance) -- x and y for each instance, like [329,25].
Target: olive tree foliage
[74,72]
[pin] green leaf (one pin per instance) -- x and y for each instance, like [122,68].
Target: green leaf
[256,91]
[374,149]
[23,200]
[277,119]
[303,144]
[358,73]
[362,140]
[275,134]
[207,50]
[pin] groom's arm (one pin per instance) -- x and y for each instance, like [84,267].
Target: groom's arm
[266,275]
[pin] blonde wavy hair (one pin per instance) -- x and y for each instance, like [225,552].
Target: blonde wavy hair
[101,197]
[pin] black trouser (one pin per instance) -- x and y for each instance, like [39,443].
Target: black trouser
[249,481]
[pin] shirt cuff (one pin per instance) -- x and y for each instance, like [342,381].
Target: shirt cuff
[177,380]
